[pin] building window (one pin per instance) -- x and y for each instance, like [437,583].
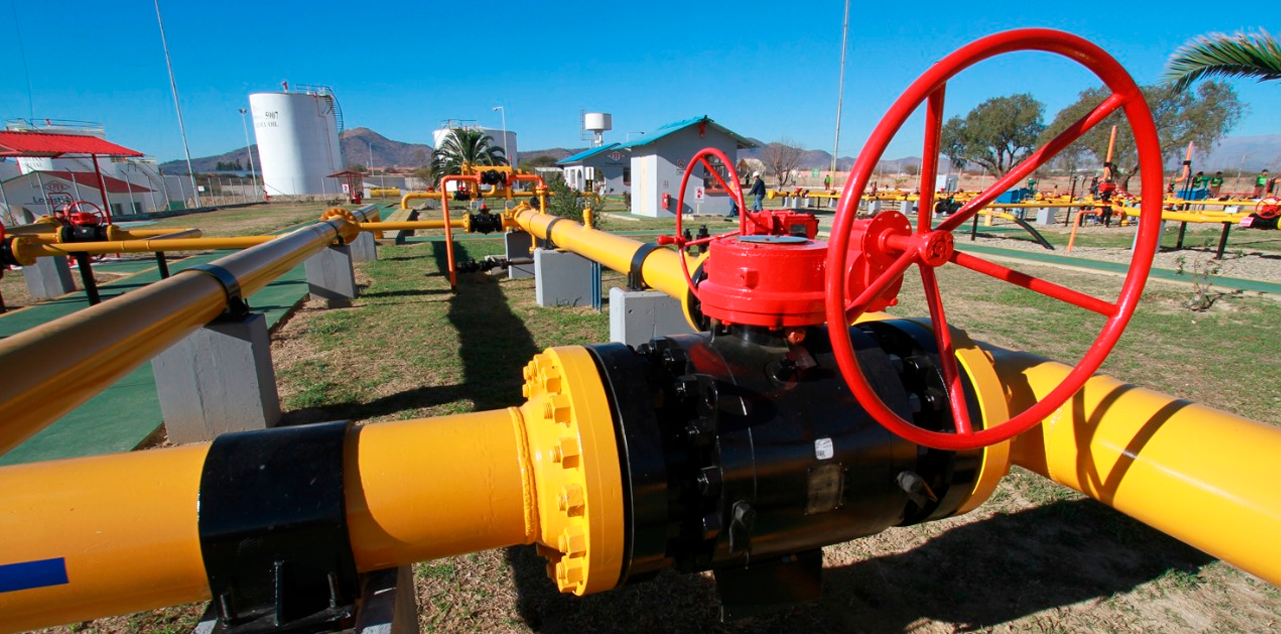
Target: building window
[116,209]
[627,176]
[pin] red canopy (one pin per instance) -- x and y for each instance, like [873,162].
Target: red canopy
[42,144]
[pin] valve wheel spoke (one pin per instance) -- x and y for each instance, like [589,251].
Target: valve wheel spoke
[878,285]
[930,159]
[947,354]
[1035,160]
[1031,283]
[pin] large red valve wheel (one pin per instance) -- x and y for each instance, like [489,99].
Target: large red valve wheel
[930,246]
[1268,208]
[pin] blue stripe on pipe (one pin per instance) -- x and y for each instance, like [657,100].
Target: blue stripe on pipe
[33,574]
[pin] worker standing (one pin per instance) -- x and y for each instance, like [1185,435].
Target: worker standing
[827,182]
[757,192]
[1259,184]
[1216,183]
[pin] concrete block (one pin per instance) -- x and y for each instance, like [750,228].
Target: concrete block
[562,278]
[905,207]
[330,276]
[364,248]
[1045,215]
[218,380]
[389,602]
[874,207]
[48,277]
[635,317]
[519,249]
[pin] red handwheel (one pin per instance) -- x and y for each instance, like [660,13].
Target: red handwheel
[929,246]
[735,191]
[1268,208]
[83,212]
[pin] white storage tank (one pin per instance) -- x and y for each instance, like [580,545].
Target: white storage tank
[496,137]
[297,134]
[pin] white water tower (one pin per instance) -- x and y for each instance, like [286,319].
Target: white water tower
[297,134]
[595,124]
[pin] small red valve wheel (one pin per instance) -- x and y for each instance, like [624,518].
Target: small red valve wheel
[735,191]
[82,213]
[930,246]
[1268,208]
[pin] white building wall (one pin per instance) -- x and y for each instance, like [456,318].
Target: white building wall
[646,194]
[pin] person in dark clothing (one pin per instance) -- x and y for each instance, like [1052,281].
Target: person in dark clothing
[757,192]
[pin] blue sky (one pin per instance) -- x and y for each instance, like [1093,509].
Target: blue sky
[765,70]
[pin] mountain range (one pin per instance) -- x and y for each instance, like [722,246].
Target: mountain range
[366,147]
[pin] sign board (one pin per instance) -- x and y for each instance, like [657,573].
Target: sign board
[346,189]
[200,188]
[616,156]
[814,173]
[698,194]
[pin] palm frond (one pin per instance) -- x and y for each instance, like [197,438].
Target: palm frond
[1242,54]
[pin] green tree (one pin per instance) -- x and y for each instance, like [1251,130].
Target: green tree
[996,134]
[563,201]
[952,143]
[1181,117]
[1242,54]
[357,167]
[460,146]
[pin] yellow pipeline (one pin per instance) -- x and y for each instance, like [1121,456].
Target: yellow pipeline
[412,225]
[1209,217]
[498,193]
[1201,475]
[101,344]
[115,233]
[546,472]
[26,252]
[661,269]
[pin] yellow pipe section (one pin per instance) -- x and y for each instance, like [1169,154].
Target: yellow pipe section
[661,270]
[125,525]
[1188,216]
[26,252]
[115,233]
[101,344]
[413,225]
[498,193]
[1201,475]
[546,472]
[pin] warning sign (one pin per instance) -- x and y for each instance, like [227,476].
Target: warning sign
[698,193]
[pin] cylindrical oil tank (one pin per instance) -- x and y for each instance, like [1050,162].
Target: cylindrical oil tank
[297,135]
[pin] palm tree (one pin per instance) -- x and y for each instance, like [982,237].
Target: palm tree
[1218,55]
[463,145]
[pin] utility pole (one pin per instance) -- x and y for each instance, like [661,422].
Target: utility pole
[249,149]
[840,90]
[195,190]
[502,111]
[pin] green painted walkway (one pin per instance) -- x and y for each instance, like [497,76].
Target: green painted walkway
[127,413]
